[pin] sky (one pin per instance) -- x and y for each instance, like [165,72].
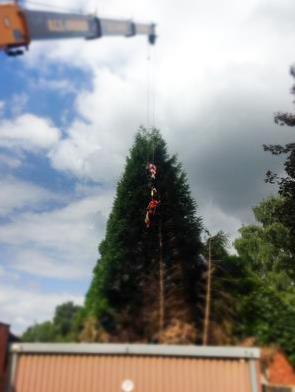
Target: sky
[69,111]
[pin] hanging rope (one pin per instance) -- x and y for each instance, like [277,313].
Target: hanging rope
[154,201]
[150,89]
[153,84]
[150,125]
[153,152]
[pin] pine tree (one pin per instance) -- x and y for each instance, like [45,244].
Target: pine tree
[147,279]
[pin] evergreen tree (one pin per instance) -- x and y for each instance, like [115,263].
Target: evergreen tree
[146,279]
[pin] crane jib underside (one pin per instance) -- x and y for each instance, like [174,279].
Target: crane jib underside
[46,25]
[51,25]
[18,27]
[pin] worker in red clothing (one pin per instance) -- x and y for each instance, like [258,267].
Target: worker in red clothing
[150,212]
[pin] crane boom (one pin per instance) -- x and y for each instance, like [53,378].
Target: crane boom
[18,27]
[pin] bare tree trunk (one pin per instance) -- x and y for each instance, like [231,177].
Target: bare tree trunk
[161,283]
[208,299]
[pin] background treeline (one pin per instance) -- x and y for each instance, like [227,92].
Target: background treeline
[64,326]
[154,285]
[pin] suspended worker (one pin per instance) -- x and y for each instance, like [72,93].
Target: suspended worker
[152,170]
[150,212]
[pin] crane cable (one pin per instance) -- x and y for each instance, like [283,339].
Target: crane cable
[150,89]
[153,82]
[148,85]
[151,148]
[150,99]
[155,196]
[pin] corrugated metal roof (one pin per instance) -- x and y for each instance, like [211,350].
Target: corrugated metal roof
[137,349]
[89,368]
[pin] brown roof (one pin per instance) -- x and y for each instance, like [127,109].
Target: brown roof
[151,368]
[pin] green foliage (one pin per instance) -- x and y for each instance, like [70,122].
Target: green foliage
[218,243]
[43,332]
[65,319]
[125,279]
[286,183]
[268,313]
[266,308]
[63,328]
[266,212]
[267,247]
[227,280]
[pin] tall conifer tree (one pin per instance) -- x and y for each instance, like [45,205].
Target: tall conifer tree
[146,279]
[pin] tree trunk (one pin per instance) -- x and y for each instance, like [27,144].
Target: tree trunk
[208,300]
[161,284]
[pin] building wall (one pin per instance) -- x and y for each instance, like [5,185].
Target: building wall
[92,373]
[4,337]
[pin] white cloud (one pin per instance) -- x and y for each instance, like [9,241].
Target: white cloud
[16,194]
[24,306]
[18,103]
[2,107]
[215,220]
[96,149]
[72,223]
[62,86]
[1,271]
[61,243]
[12,162]
[28,132]
[38,263]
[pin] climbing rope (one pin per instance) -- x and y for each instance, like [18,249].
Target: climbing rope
[151,123]
[153,85]
[150,89]
[154,202]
